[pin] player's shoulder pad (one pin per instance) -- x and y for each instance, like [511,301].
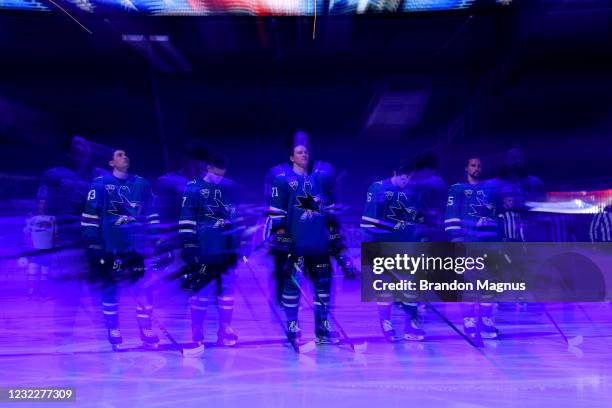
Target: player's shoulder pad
[325,167]
[193,186]
[279,168]
[457,187]
[375,186]
[280,178]
[97,183]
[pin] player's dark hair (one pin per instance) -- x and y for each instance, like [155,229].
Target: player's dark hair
[115,149]
[298,138]
[218,160]
[470,157]
[405,167]
[196,150]
[426,160]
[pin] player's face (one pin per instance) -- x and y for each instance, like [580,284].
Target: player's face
[215,174]
[402,180]
[300,156]
[473,168]
[120,161]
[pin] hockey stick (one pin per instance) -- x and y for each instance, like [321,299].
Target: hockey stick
[357,348]
[571,342]
[298,348]
[476,344]
[190,352]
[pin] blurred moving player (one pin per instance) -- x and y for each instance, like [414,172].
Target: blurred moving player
[41,233]
[63,191]
[169,190]
[62,194]
[117,222]
[210,239]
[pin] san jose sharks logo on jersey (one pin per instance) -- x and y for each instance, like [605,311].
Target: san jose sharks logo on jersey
[402,215]
[220,212]
[309,203]
[484,211]
[123,208]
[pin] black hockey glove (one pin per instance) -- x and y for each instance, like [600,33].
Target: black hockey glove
[281,242]
[97,256]
[198,276]
[336,244]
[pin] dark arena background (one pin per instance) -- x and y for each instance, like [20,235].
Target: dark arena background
[188,89]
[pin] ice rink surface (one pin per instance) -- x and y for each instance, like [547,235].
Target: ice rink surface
[62,342]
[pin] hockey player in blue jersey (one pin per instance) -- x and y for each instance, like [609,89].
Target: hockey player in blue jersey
[209,233]
[392,214]
[280,242]
[168,191]
[302,208]
[118,222]
[471,216]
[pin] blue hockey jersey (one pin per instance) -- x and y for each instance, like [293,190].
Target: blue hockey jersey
[119,214]
[471,212]
[209,219]
[392,213]
[303,206]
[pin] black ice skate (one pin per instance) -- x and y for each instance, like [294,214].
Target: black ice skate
[388,331]
[412,331]
[294,333]
[470,328]
[226,336]
[488,329]
[325,335]
[114,338]
[149,338]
